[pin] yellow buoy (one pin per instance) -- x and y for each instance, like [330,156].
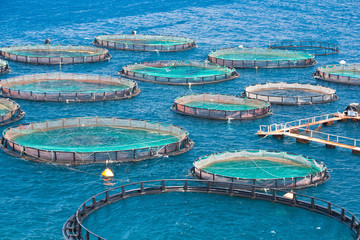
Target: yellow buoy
[289,195]
[107,173]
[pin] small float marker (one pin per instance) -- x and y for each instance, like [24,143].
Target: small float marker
[107,173]
[289,195]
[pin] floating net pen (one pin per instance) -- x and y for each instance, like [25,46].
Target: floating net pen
[4,67]
[310,47]
[178,72]
[291,93]
[10,111]
[65,87]
[339,73]
[222,107]
[143,42]
[55,54]
[261,58]
[267,169]
[76,227]
[87,140]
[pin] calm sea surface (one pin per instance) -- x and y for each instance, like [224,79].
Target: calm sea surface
[36,199]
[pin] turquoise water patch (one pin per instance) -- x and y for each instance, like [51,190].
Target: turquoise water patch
[67,86]
[181,71]
[209,216]
[260,169]
[53,53]
[346,73]
[221,106]
[149,42]
[263,56]
[288,93]
[94,139]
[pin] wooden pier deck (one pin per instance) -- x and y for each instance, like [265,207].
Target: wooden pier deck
[292,129]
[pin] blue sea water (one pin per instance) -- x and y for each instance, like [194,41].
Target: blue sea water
[36,199]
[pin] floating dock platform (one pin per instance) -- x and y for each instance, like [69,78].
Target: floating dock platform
[293,129]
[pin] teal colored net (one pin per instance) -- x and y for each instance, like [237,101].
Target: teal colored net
[93,139]
[140,39]
[259,54]
[347,70]
[220,106]
[54,51]
[68,86]
[259,165]
[180,70]
[220,102]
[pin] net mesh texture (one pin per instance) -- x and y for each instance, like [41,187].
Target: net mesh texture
[68,87]
[262,168]
[310,47]
[54,54]
[219,106]
[261,58]
[291,93]
[112,139]
[143,42]
[179,72]
[340,73]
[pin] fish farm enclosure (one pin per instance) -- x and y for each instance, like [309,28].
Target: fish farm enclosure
[261,58]
[178,72]
[52,54]
[180,120]
[339,73]
[267,169]
[311,47]
[142,42]
[222,107]
[291,93]
[10,111]
[64,87]
[94,140]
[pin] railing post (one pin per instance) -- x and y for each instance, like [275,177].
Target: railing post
[186,185]
[107,196]
[274,195]
[342,214]
[123,191]
[312,203]
[162,185]
[94,201]
[329,208]
[294,198]
[208,187]
[141,187]
[87,235]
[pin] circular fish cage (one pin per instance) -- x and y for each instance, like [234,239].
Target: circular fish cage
[178,72]
[75,228]
[4,67]
[10,111]
[55,54]
[221,107]
[310,47]
[264,169]
[339,73]
[145,42]
[87,140]
[261,58]
[291,93]
[65,87]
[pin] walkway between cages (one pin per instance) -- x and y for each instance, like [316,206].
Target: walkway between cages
[292,129]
